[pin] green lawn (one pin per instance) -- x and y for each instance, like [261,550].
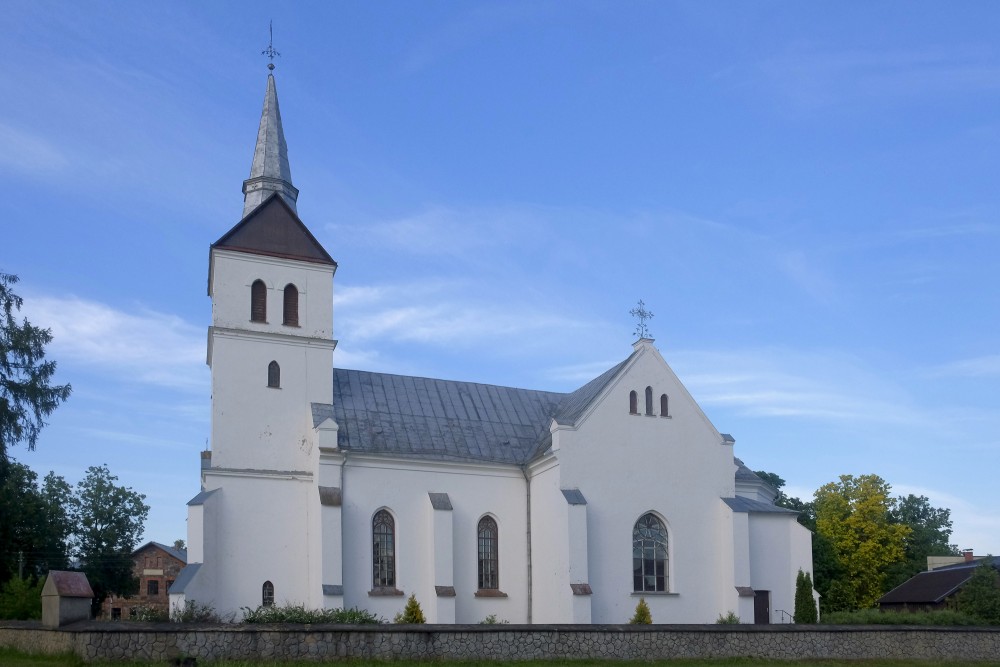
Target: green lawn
[13,659]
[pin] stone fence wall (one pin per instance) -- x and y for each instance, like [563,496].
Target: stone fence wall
[164,641]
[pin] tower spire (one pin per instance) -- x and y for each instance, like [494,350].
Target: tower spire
[269,172]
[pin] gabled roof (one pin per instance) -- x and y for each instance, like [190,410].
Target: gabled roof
[577,402]
[440,419]
[934,586]
[179,554]
[274,229]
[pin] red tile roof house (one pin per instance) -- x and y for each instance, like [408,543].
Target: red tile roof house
[156,566]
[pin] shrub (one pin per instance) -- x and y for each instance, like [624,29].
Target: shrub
[493,620]
[299,614]
[412,613]
[148,614]
[876,617]
[642,615]
[805,604]
[21,600]
[195,613]
[731,618]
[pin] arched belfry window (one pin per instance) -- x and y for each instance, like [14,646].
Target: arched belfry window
[489,554]
[258,301]
[290,315]
[267,594]
[383,550]
[274,375]
[633,403]
[664,406]
[649,400]
[649,555]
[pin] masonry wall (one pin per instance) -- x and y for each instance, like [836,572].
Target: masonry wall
[134,641]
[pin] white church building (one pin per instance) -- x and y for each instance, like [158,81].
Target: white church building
[331,487]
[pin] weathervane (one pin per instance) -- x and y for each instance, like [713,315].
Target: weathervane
[269,51]
[641,314]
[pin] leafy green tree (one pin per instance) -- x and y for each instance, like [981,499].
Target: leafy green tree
[805,604]
[930,534]
[21,599]
[412,613]
[108,521]
[855,515]
[642,615]
[980,596]
[27,395]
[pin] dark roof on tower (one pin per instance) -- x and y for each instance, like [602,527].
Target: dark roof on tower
[274,229]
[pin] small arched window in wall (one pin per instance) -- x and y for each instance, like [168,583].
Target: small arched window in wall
[649,555]
[649,400]
[290,315]
[267,594]
[383,551]
[274,375]
[258,301]
[489,554]
[633,403]
[664,406]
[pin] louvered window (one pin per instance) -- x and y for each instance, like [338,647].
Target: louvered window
[291,312]
[274,375]
[258,301]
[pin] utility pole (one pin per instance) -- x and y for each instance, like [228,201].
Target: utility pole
[20,565]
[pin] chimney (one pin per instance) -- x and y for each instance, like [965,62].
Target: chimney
[968,555]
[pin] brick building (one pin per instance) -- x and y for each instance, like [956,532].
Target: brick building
[156,566]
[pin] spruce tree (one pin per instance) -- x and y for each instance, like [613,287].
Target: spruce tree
[642,615]
[412,613]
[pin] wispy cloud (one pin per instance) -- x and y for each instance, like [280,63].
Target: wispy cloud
[143,346]
[25,152]
[985,366]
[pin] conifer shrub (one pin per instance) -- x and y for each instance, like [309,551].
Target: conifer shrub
[21,599]
[642,615]
[805,604]
[412,613]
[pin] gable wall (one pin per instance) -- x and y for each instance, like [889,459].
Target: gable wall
[626,465]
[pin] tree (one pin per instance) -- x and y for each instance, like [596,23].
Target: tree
[805,604]
[930,533]
[34,528]
[180,544]
[108,522]
[412,613]
[855,514]
[642,615]
[27,395]
[980,597]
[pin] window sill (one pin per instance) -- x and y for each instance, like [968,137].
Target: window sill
[291,326]
[490,593]
[385,592]
[655,594]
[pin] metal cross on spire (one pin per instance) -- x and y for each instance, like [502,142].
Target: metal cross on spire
[641,314]
[270,51]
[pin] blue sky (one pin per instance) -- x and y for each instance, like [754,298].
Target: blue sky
[805,195]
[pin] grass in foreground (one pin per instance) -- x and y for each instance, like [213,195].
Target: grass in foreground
[10,658]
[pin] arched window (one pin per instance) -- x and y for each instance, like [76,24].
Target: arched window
[274,375]
[649,554]
[383,551]
[267,594]
[633,403]
[258,301]
[664,405]
[489,554]
[291,311]
[649,400]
